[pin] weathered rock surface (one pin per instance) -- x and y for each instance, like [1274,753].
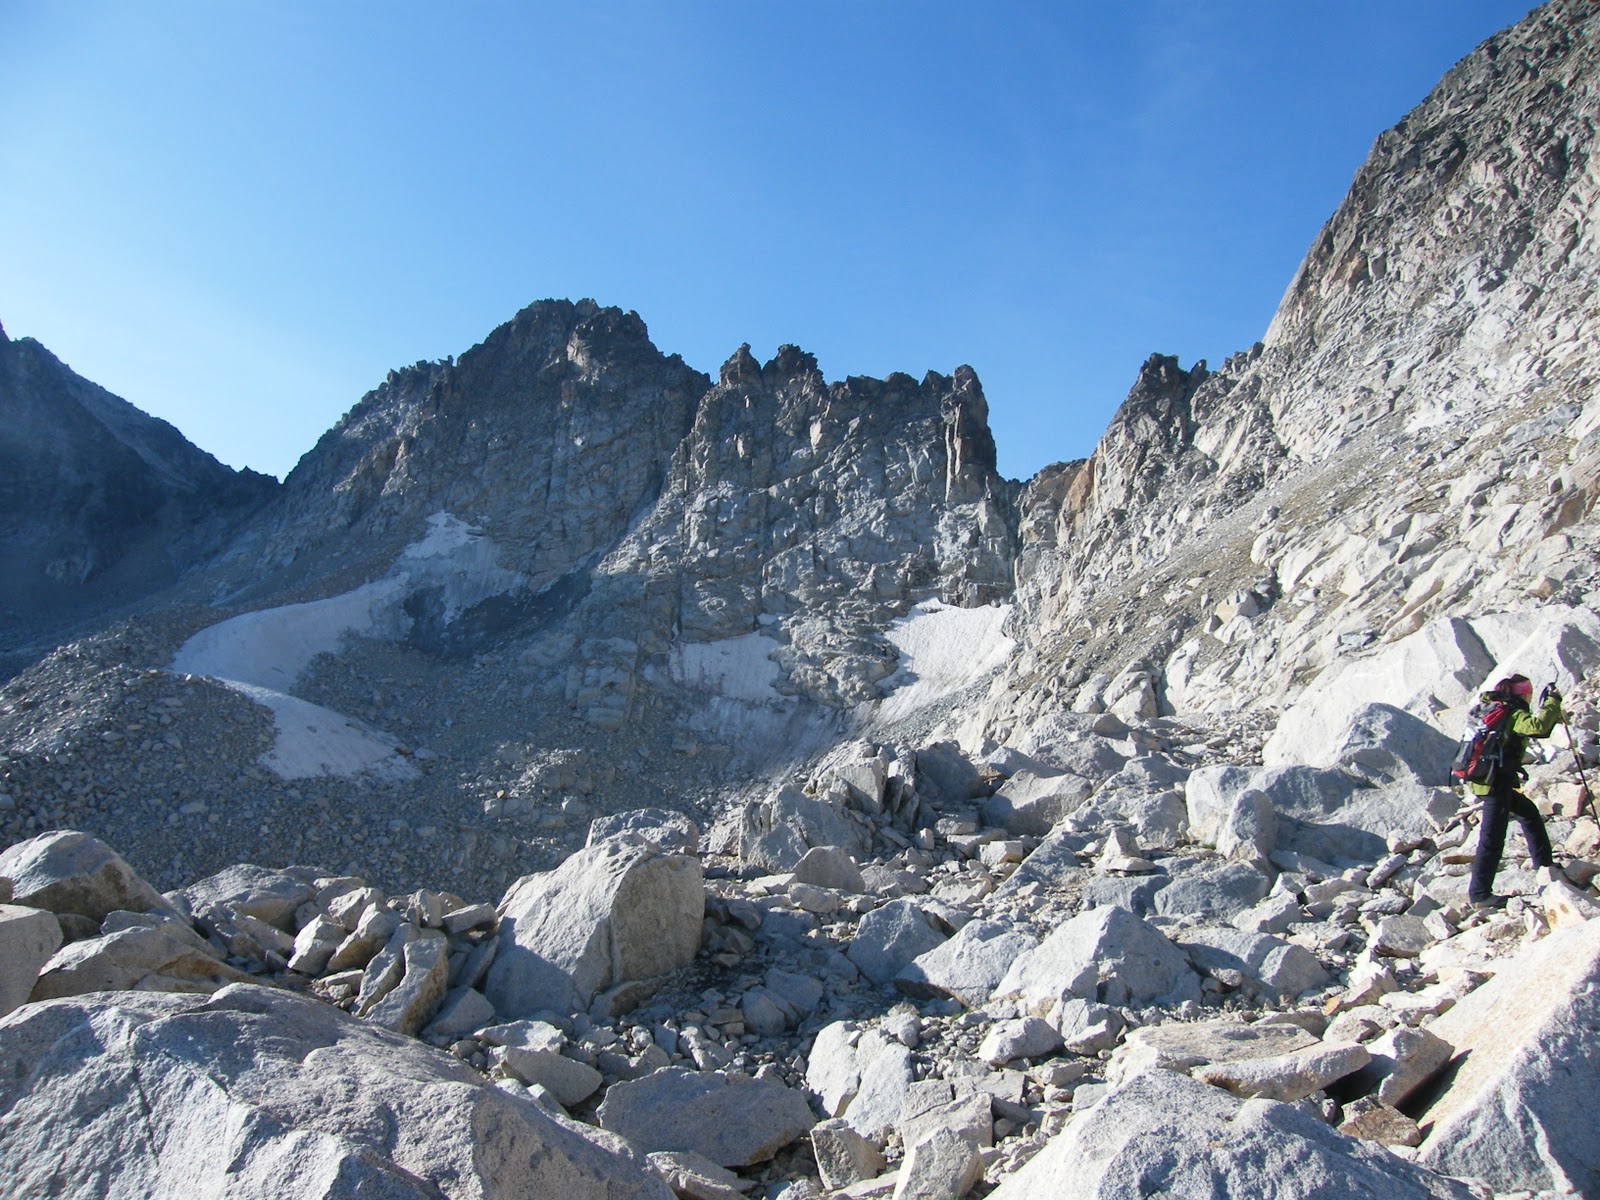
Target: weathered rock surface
[71,872]
[1518,1112]
[1105,954]
[260,1091]
[1162,1133]
[733,1122]
[28,937]
[614,912]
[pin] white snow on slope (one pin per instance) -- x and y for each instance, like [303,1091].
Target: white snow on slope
[262,654]
[740,668]
[942,650]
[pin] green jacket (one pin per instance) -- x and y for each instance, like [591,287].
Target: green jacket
[1525,724]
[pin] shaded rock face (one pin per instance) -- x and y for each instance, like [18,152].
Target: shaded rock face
[100,504]
[551,435]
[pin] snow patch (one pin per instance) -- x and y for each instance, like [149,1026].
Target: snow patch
[263,654]
[739,668]
[942,650]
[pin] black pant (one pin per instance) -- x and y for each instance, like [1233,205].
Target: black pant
[1499,806]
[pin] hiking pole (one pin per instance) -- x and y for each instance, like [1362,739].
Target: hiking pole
[1586,797]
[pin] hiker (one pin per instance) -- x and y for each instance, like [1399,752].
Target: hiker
[1501,799]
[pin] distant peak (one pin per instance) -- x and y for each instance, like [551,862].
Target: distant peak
[740,368]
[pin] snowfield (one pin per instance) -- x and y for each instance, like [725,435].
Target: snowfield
[263,654]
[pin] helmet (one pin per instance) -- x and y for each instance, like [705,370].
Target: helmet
[1519,686]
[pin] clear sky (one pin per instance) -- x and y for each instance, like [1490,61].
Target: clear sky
[240,215]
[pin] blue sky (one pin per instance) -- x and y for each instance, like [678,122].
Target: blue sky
[239,216]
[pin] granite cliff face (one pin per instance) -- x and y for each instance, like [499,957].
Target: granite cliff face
[1413,437]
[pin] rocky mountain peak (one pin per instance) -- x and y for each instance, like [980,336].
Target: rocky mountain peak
[100,504]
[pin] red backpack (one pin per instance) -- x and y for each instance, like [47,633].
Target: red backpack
[1483,744]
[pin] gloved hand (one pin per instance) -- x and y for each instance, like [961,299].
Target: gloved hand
[1549,693]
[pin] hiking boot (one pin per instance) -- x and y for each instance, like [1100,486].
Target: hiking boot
[1485,903]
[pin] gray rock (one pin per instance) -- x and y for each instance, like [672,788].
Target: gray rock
[843,1156]
[833,1066]
[891,936]
[1403,1060]
[1028,1037]
[246,890]
[732,1121]
[314,945]
[776,833]
[947,776]
[764,1014]
[70,872]
[1034,802]
[1286,1077]
[829,867]
[1249,830]
[614,912]
[568,1080]
[1383,744]
[943,1164]
[1222,891]
[143,959]
[669,831]
[803,993]
[464,1010]
[1105,954]
[1272,915]
[1087,1028]
[969,966]
[1400,936]
[1162,1133]
[260,1092]
[1281,968]
[1517,1110]
[1371,1120]
[469,917]
[693,1177]
[1181,1046]
[886,1073]
[1055,864]
[934,1104]
[28,938]
[416,996]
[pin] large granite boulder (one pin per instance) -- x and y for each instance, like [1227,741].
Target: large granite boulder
[1518,1107]
[142,958]
[775,833]
[967,967]
[1105,954]
[28,937]
[258,1092]
[614,912]
[70,872]
[891,936]
[1163,1134]
[1438,669]
[733,1120]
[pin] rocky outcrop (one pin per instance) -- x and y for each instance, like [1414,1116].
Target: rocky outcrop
[1517,1112]
[255,1091]
[615,913]
[1163,1133]
[1408,441]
